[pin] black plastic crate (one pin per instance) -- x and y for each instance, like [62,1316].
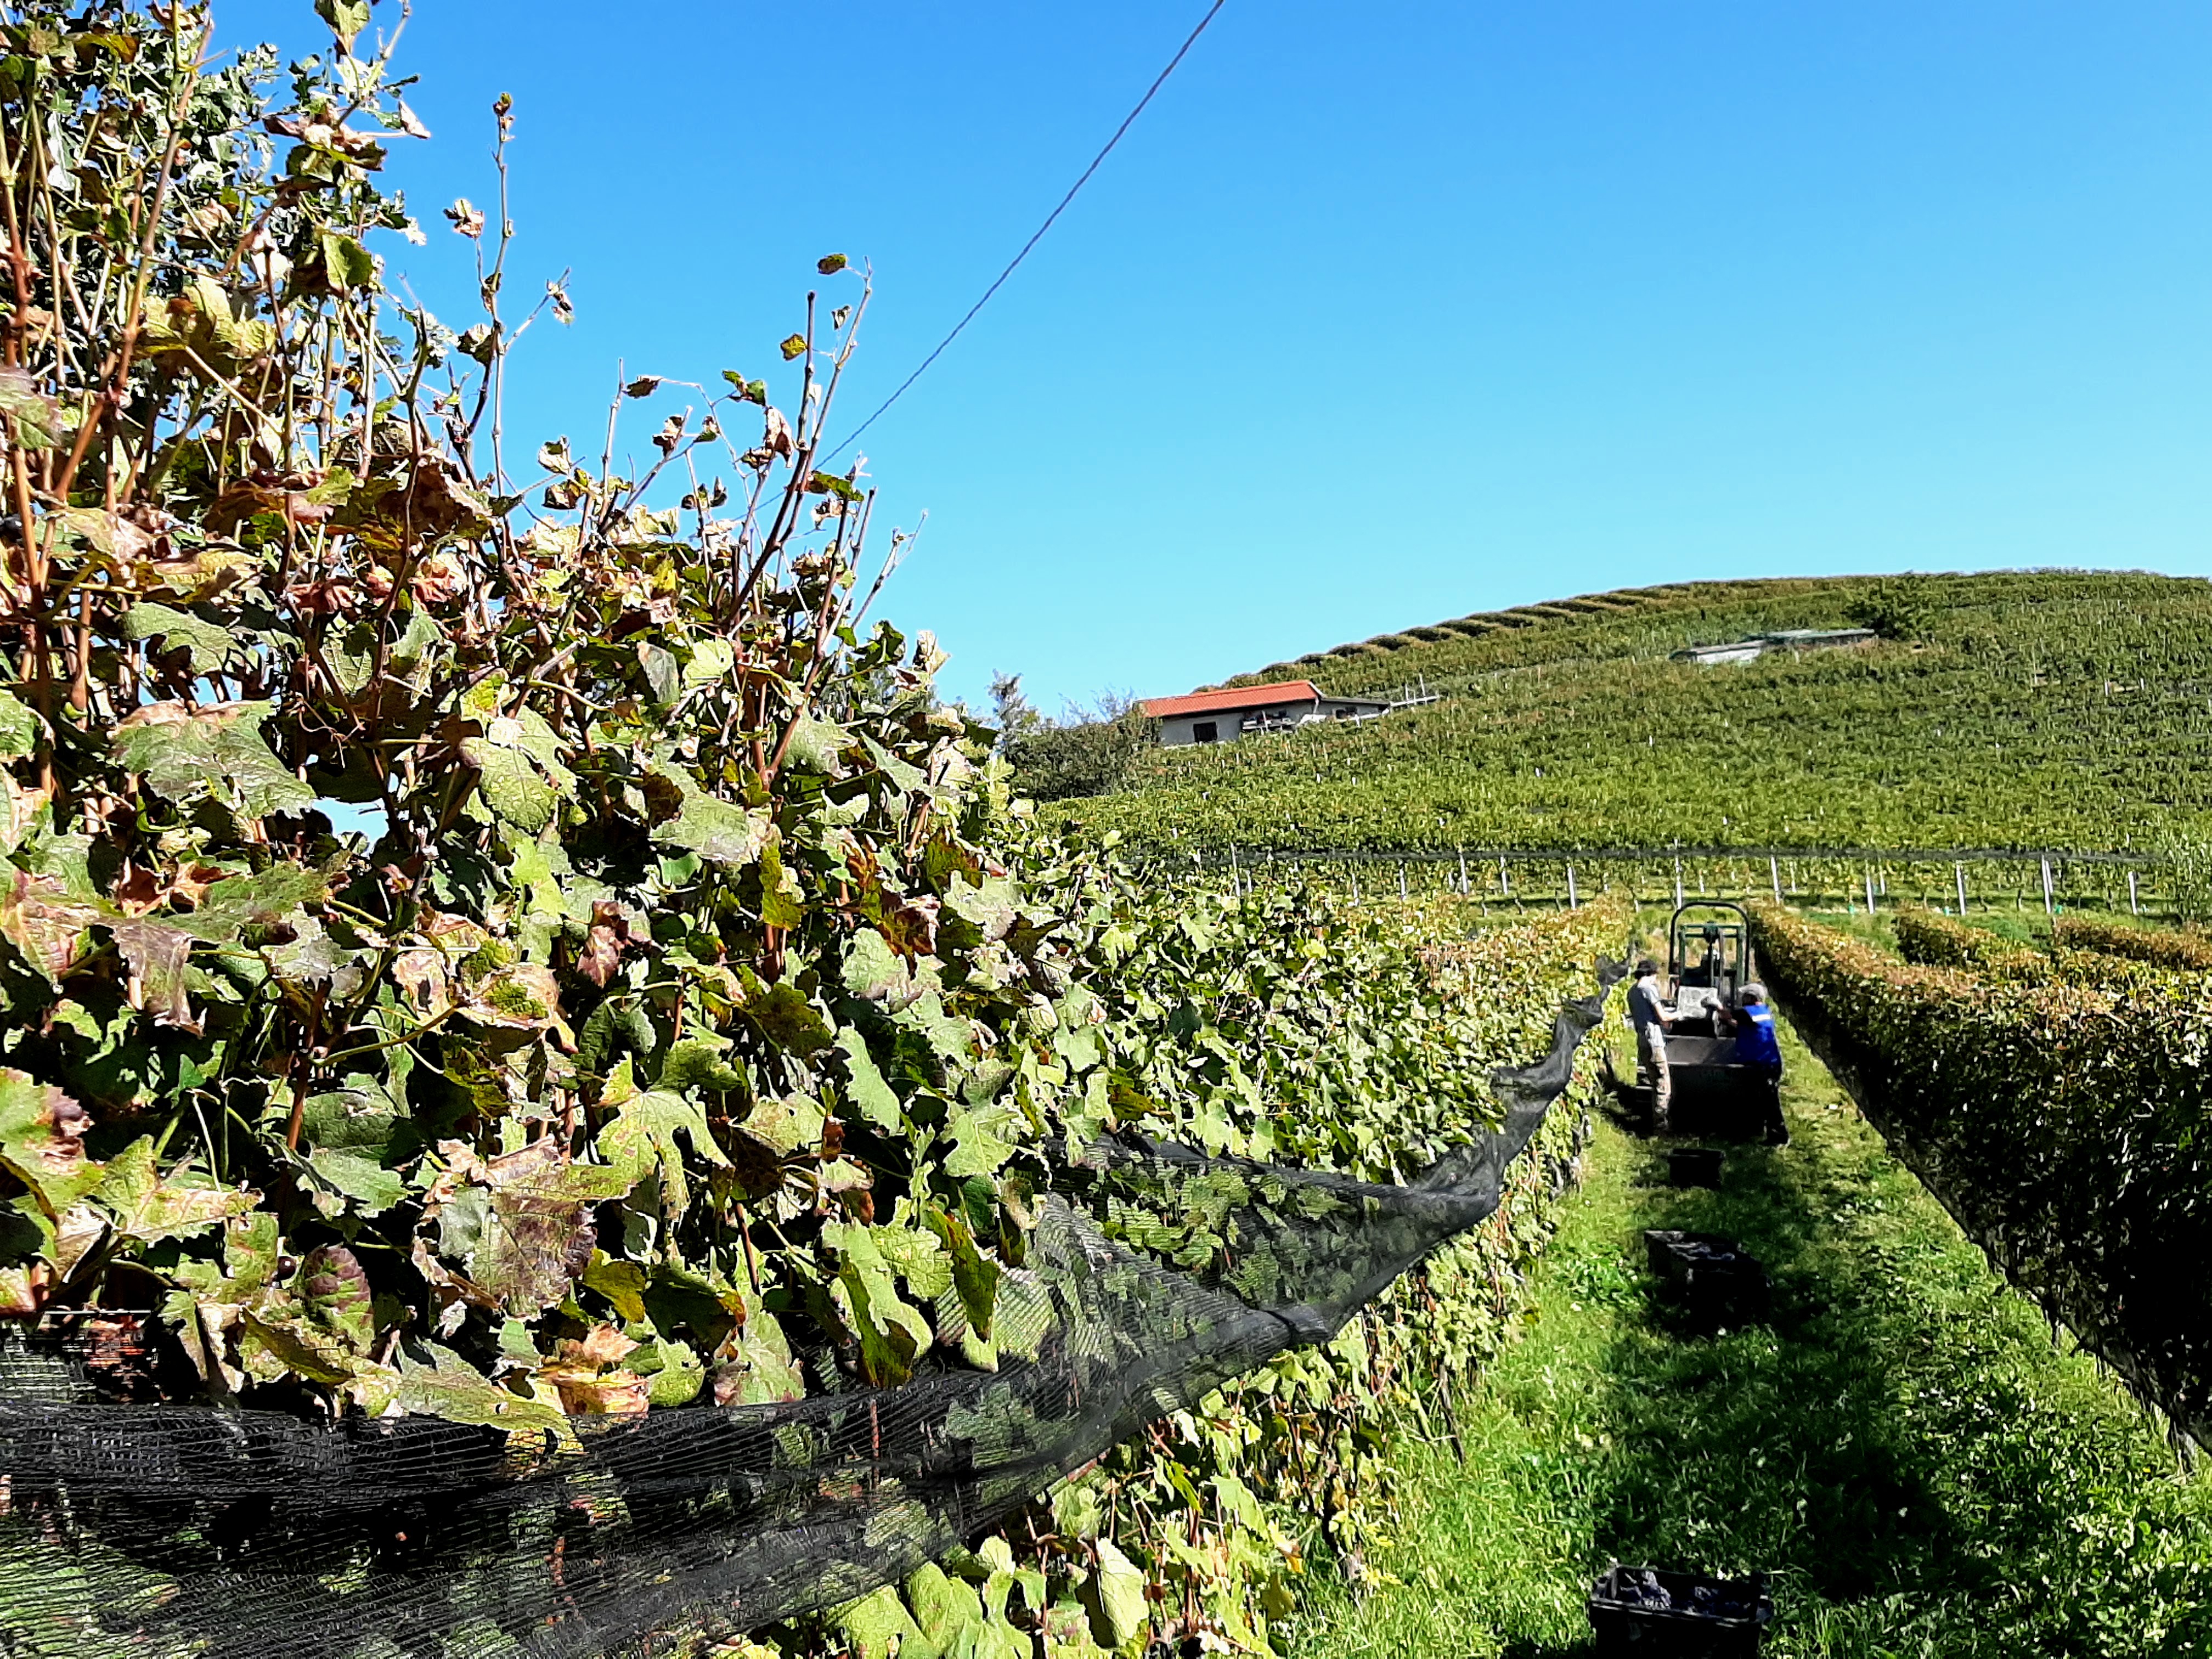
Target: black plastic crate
[1695,1166]
[1715,1278]
[1656,1614]
[1664,1249]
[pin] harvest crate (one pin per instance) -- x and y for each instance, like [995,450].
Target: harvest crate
[1656,1614]
[1715,1278]
[1695,1166]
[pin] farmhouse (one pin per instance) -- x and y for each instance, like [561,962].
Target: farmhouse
[1225,715]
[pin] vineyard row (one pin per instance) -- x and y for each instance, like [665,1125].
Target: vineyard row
[2054,880]
[2059,1123]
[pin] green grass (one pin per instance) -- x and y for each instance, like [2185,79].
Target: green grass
[1874,929]
[2033,928]
[1904,1447]
[2027,925]
[2041,709]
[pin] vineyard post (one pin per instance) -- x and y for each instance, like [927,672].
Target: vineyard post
[1774,875]
[2048,909]
[1463,886]
[1959,872]
[1504,886]
[1402,894]
[2134,908]
[1678,884]
[1869,886]
[1572,901]
[1236,879]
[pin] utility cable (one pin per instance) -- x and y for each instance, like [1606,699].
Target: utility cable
[1128,121]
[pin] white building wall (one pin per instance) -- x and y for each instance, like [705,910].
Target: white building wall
[1229,723]
[1183,728]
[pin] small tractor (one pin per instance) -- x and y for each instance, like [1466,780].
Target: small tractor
[1709,962]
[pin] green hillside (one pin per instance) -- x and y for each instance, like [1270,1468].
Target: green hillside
[2023,709]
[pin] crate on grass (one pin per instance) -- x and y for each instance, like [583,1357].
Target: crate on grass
[1715,1278]
[1656,1614]
[1695,1166]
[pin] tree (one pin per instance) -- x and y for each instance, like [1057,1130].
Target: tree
[1091,751]
[1012,712]
[1894,607]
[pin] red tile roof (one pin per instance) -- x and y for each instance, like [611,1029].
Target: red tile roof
[1240,696]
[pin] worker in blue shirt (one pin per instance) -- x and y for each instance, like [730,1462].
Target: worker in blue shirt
[1757,1047]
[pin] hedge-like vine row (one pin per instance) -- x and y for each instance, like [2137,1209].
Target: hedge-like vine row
[1938,941]
[2082,953]
[2061,1124]
[2184,950]
[1203,1531]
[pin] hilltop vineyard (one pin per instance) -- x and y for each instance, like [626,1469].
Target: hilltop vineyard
[2040,708]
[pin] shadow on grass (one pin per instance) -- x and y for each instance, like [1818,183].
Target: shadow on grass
[1788,1446]
[1898,1445]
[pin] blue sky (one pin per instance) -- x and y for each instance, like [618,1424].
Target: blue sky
[1383,313]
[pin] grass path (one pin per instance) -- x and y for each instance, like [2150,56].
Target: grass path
[1902,1447]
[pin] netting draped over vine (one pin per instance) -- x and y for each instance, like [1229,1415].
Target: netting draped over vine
[146,1530]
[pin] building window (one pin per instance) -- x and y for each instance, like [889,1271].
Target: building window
[1204,731]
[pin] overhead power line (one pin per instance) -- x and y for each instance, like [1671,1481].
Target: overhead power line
[1128,121]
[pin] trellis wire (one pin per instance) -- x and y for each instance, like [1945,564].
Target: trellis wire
[1960,879]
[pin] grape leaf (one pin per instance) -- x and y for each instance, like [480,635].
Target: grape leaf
[42,1142]
[864,1082]
[712,827]
[149,1209]
[19,728]
[209,645]
[185,752]
[38,420]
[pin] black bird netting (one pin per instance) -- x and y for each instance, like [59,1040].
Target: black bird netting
[141,1531]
